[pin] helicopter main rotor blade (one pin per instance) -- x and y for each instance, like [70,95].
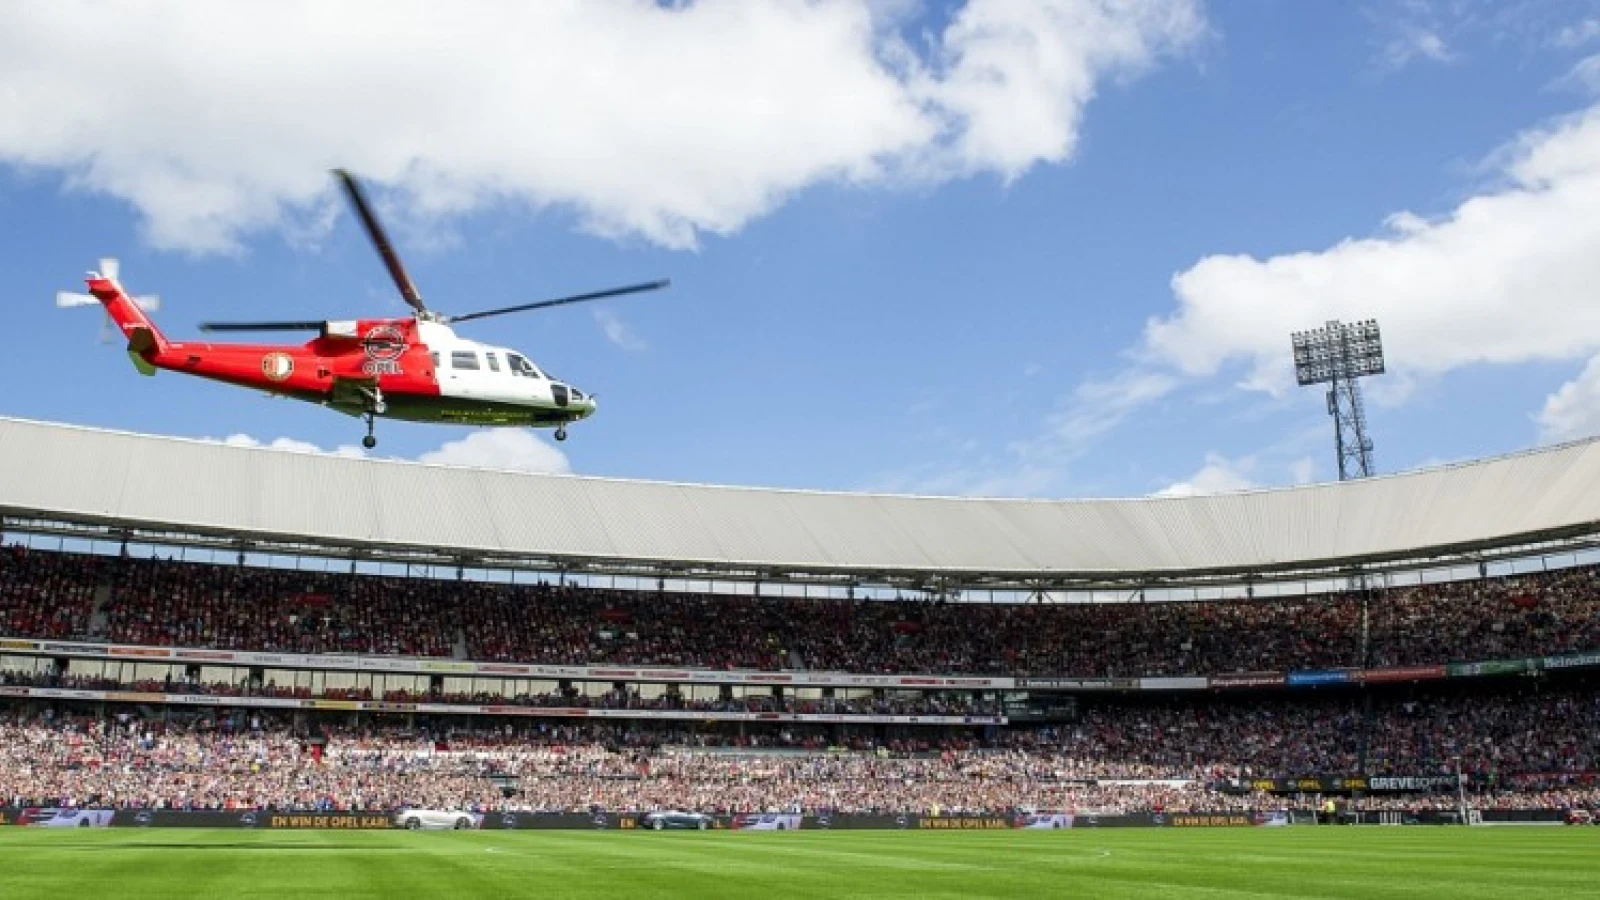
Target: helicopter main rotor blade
[380,240]
[261,326]
[562,301]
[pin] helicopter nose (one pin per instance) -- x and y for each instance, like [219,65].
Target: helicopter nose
[584,403]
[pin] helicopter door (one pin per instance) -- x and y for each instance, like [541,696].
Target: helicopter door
[462,376]
[559,392]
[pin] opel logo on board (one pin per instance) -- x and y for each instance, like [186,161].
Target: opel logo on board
[384,343]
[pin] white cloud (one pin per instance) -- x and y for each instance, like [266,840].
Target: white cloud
[1222,474]
[490,448]
[1302,470]
[1573,411]
[290,444]
[1392,391]
[1436,462]
[1038,465]
[1583,76]
[500,448]
[617,331]
[1219,475]
[1096,408]
[1506,277]
[1416,45]
[1016,74]
[666,121]
[1578,34]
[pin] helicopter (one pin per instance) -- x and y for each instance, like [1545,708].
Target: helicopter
[413,368]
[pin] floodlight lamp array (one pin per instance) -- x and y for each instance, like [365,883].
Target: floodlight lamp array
[1337,351]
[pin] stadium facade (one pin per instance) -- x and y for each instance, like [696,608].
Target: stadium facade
[107,485]
[1237,687]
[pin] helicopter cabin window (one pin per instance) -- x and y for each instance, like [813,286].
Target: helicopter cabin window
[493,361]
[435,360]
[521,366]
[463,359]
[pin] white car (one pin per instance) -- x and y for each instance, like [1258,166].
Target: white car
[767,822]
[662,819]
[436,819]
[1044,820]
[51,817]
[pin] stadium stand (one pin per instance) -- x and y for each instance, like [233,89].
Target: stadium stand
[160,603]
[137,682]
[1521,748]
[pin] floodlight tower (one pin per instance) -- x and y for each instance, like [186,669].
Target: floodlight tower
[1338,355]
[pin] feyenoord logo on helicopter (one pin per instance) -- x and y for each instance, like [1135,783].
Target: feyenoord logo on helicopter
[412,368]
[277,366]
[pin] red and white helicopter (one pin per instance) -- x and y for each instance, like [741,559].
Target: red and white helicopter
[415,369]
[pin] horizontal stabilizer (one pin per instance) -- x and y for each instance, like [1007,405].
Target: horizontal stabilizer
[141,364]
[140,341]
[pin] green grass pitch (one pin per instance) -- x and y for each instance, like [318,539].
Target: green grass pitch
[1363,863]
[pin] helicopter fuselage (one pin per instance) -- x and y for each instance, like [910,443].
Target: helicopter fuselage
[399,368]
[413,368]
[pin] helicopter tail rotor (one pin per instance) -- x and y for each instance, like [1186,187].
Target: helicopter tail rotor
[110,267]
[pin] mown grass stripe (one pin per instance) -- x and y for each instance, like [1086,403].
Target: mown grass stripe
[1335,863]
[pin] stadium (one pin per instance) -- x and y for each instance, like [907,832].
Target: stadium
[207,636]
[959,521]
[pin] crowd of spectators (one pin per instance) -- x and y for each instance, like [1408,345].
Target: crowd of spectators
[130,763]
[242,608]
[1488,735]
[1522,746]
[1517,749]
[1544,731]
[48,595]
[279,610]
[902,704]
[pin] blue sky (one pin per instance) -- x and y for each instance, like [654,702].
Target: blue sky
[893,268]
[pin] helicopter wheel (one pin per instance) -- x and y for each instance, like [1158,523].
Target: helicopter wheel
[561,434]
[369,441]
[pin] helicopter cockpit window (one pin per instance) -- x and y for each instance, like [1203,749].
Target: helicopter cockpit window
[463,359]
[521,366]
[493,361]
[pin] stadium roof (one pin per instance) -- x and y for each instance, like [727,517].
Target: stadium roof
[146,485]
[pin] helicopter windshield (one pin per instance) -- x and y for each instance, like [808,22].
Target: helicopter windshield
[521,366]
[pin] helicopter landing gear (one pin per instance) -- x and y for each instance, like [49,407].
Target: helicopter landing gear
[375,407]
[561,434]
[375,402]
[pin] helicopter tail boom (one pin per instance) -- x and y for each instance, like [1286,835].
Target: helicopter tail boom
[144,338]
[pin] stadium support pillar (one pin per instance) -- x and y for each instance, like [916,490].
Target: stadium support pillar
[1369,721]
[1364,648]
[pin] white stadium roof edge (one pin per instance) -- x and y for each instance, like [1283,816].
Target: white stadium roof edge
[108,484]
